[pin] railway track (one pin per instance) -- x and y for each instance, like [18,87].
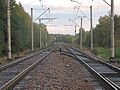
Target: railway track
[108,75]
[3,67]
[11,74]
[57,72]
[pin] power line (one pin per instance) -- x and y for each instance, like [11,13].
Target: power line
[42,14]
[80,4]
[74,22]
[42,5]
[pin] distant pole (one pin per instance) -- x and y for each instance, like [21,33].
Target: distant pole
[75,35]
[81,35]
[32,29]
[56,39]
[112,30]
[75,30]
[91,27]
[46,39]
[40,33]
[9,29]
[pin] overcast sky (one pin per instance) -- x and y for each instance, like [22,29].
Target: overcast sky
[65,9]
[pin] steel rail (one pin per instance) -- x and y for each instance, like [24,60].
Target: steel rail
[3,67]
[17,79]
[109,85]
[98,59]
[104,63]
[68,54]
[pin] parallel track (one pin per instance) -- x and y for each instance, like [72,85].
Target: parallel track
[108,75]
[9,77]
[15,62]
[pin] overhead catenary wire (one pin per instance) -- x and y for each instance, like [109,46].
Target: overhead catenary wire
[42,14]
[74,22]
[42,5]
[80,4]
[83,14]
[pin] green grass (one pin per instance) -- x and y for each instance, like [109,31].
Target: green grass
[117,52]
[102,52]
[105,52]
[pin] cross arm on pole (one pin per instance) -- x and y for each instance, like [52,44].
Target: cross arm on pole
[74,22]
[48,18]
[42,14]
[106,2]
[75,1]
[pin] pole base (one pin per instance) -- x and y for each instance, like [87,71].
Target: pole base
[9,59]
[112,60]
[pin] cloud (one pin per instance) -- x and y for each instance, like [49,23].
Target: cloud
[63,9]
[60,29]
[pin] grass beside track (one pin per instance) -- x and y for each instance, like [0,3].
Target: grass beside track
[106,53]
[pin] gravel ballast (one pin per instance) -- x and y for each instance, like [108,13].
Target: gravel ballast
[57,72]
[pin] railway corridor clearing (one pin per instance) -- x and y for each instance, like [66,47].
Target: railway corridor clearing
[57,72]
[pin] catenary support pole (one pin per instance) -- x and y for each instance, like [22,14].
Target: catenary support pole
[40,33]
[112,30]
[75,36]
[9,30]
[81,35]
[32,42]
[75,30]
[91,27]
[46,39]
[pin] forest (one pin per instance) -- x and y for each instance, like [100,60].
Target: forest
[101,36]
[21,32]
[20,29]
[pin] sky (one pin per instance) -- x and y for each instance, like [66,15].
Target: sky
[62,10]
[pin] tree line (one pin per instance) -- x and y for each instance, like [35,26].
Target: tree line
[20,29]
[101,34]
